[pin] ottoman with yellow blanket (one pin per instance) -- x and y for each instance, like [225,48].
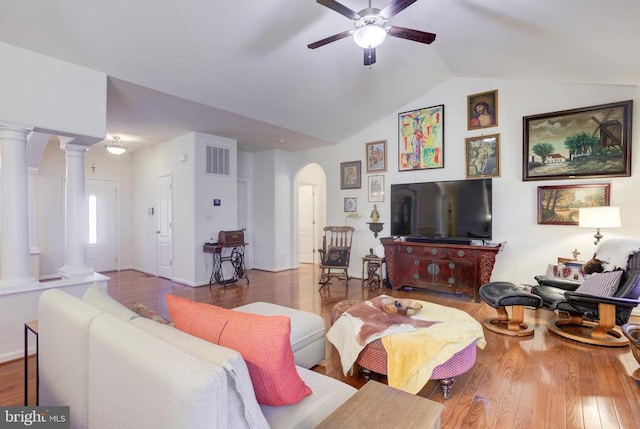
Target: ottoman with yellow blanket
[438,343]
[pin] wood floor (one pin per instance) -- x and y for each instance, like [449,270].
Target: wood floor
[542,381]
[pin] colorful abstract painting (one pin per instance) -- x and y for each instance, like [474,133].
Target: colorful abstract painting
[421,139]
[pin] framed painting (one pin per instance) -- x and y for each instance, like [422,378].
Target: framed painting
[376,189]
[482,156]
[482,110]
[579,143]
[350,175]
[558,205]
[376,156]
[350,204]
[421,139]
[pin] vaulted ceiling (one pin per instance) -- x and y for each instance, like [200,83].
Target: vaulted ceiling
[242,69]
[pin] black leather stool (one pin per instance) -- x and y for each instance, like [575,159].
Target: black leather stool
[500,295]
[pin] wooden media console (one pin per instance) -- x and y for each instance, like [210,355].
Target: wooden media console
[454,268]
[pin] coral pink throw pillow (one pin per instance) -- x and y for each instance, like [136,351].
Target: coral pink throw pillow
[263,342]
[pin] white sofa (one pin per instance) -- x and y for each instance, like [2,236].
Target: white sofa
[117,370]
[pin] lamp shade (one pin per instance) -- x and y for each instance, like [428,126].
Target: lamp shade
[599,217]
[369,36]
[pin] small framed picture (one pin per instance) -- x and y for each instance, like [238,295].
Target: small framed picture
[482,155]
[376,156]
[482,110]
[350,204]
[350,175]
[559,205]
[376,189]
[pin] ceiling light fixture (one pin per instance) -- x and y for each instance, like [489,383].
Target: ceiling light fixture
[369,36]
[115,147]
[370,31]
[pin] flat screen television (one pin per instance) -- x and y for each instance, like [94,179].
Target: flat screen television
[449,211]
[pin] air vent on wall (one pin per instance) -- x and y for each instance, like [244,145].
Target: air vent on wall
[217,160]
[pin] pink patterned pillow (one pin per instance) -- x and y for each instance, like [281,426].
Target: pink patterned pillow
[601,284]
[263,342]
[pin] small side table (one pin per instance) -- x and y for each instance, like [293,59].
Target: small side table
[31,326]
[377,404]
[373,266]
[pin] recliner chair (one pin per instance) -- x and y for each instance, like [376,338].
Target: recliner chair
[589,318]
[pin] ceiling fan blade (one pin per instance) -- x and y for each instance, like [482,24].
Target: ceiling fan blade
[395,7]
[369,56]
[341,9]
[407,33]
[330,39]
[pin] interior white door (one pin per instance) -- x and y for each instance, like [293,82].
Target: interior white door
[243,220]
[102,206]
[306,223]
[163,233]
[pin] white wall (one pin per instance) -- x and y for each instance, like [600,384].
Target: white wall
[264,210]
[245,173]
[52,95]
[529,246]
[195,218]
[210,219]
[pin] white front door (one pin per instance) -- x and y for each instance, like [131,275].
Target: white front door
[163,233]
[102,206]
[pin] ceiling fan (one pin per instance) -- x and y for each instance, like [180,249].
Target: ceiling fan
[370,29]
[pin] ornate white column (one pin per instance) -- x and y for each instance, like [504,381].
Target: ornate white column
[14,213]
[75,219]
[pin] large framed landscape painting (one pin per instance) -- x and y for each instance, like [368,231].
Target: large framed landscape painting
[578,144]
[558,205]
[421,139]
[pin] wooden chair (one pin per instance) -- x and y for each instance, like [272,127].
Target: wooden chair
[335,254]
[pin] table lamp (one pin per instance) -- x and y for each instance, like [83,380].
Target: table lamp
[599,217]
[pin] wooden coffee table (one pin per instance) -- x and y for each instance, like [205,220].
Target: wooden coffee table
[378,405]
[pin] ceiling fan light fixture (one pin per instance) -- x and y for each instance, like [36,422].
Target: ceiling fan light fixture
[115,147]
[369,36]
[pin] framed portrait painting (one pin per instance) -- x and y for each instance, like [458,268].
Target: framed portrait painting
[558,205]
[421,139]
[580,143]
[350,175]
[376,189]
[376,156]
[482,156]
[482,110]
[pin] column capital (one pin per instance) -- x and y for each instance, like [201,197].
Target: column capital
[68,146]
[4,125]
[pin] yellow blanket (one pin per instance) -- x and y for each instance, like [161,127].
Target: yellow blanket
[412,356]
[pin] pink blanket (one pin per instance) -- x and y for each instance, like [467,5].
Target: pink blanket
[376,320]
